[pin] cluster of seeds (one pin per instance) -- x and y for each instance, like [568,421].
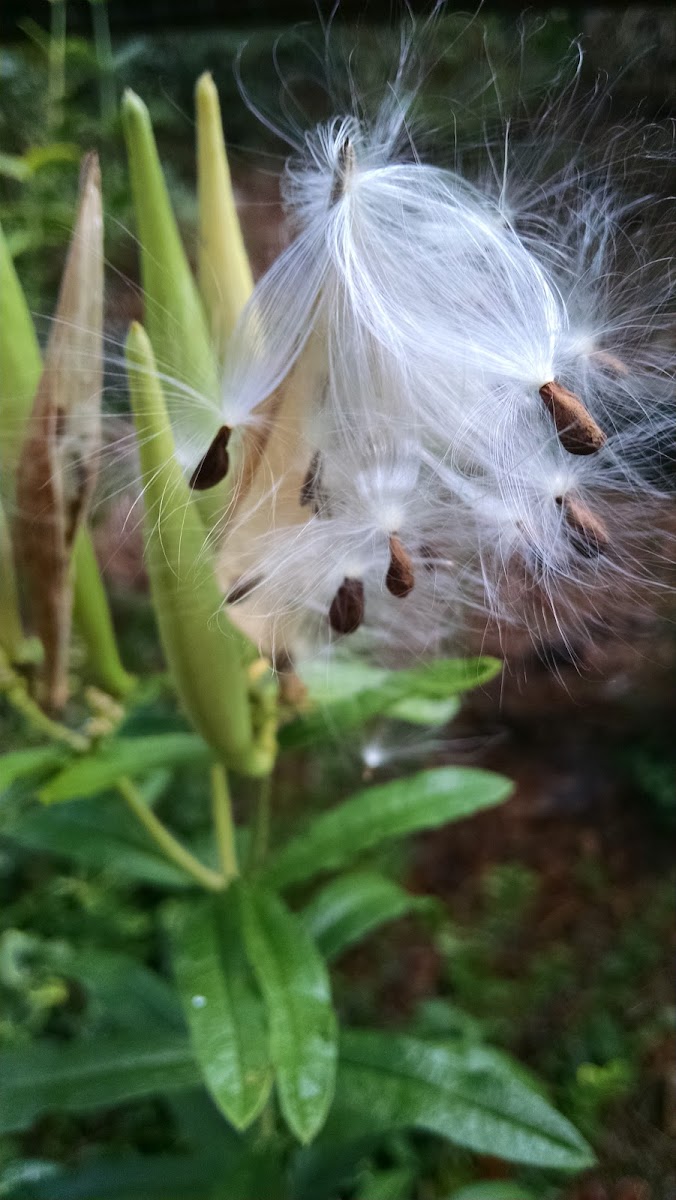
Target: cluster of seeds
[437,390]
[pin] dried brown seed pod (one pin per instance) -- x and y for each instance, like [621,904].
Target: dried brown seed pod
[347,607]
[57,468]
[588,532]
[577,429]
[214,465]
[400,578]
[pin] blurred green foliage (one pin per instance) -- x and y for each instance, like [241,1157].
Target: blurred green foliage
[83,950]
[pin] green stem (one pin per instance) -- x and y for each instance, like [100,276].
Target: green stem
[268,1123]
[13,688]
[56,79]
[104,59]
[93,620]
[168,844]
[223,823]
[261,830]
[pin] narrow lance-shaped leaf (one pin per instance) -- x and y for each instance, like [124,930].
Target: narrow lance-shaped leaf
[225,278]
[295,984]
[393,692]
[351,906]
[468,1094]
[84,1075]
[59,457]
[383,812]
[173,312]
[20,763]
[94,772]
[204,653]
[101,834]
[224,1012]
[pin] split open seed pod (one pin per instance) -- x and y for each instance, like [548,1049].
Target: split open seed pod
[59,459]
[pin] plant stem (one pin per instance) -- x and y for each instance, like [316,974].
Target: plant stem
[168,844]
[261,830]
[104,60]
[56,78]
[91,613]
[223,823]
[13,688]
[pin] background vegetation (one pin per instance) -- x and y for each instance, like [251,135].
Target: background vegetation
[540,928]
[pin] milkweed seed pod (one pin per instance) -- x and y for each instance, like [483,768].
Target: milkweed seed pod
[450,380]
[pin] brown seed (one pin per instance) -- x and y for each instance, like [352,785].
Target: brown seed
[240,590]
[347,607]
[429,556]
[400,578]
[577,429]
[309,491]
[587,531]
[614,366]
[344,168]
[214,466]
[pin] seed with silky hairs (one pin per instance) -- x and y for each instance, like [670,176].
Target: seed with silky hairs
[587,531]
[309,492]
[214,466]
[344,168]
[577,429]
[610,363]
[400,579]
[347,607]
[240,590]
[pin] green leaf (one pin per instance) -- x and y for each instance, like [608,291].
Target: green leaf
[396,1184]
[99,770]
[493,1191]
[20,763]
[351,906]
[100,834]
[435,681]
[38,157]
[420,710]
[14,166]
[463,1092]
[122,1177]
[223,1011]
[79,1076]
[386,811]
[303,1031]
[128,994]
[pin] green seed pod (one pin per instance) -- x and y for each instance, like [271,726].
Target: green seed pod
[225,277]
[204,652]
[173,312]
[93,622]
[20,369]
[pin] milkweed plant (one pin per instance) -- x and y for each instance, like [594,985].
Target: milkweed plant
[447,404]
